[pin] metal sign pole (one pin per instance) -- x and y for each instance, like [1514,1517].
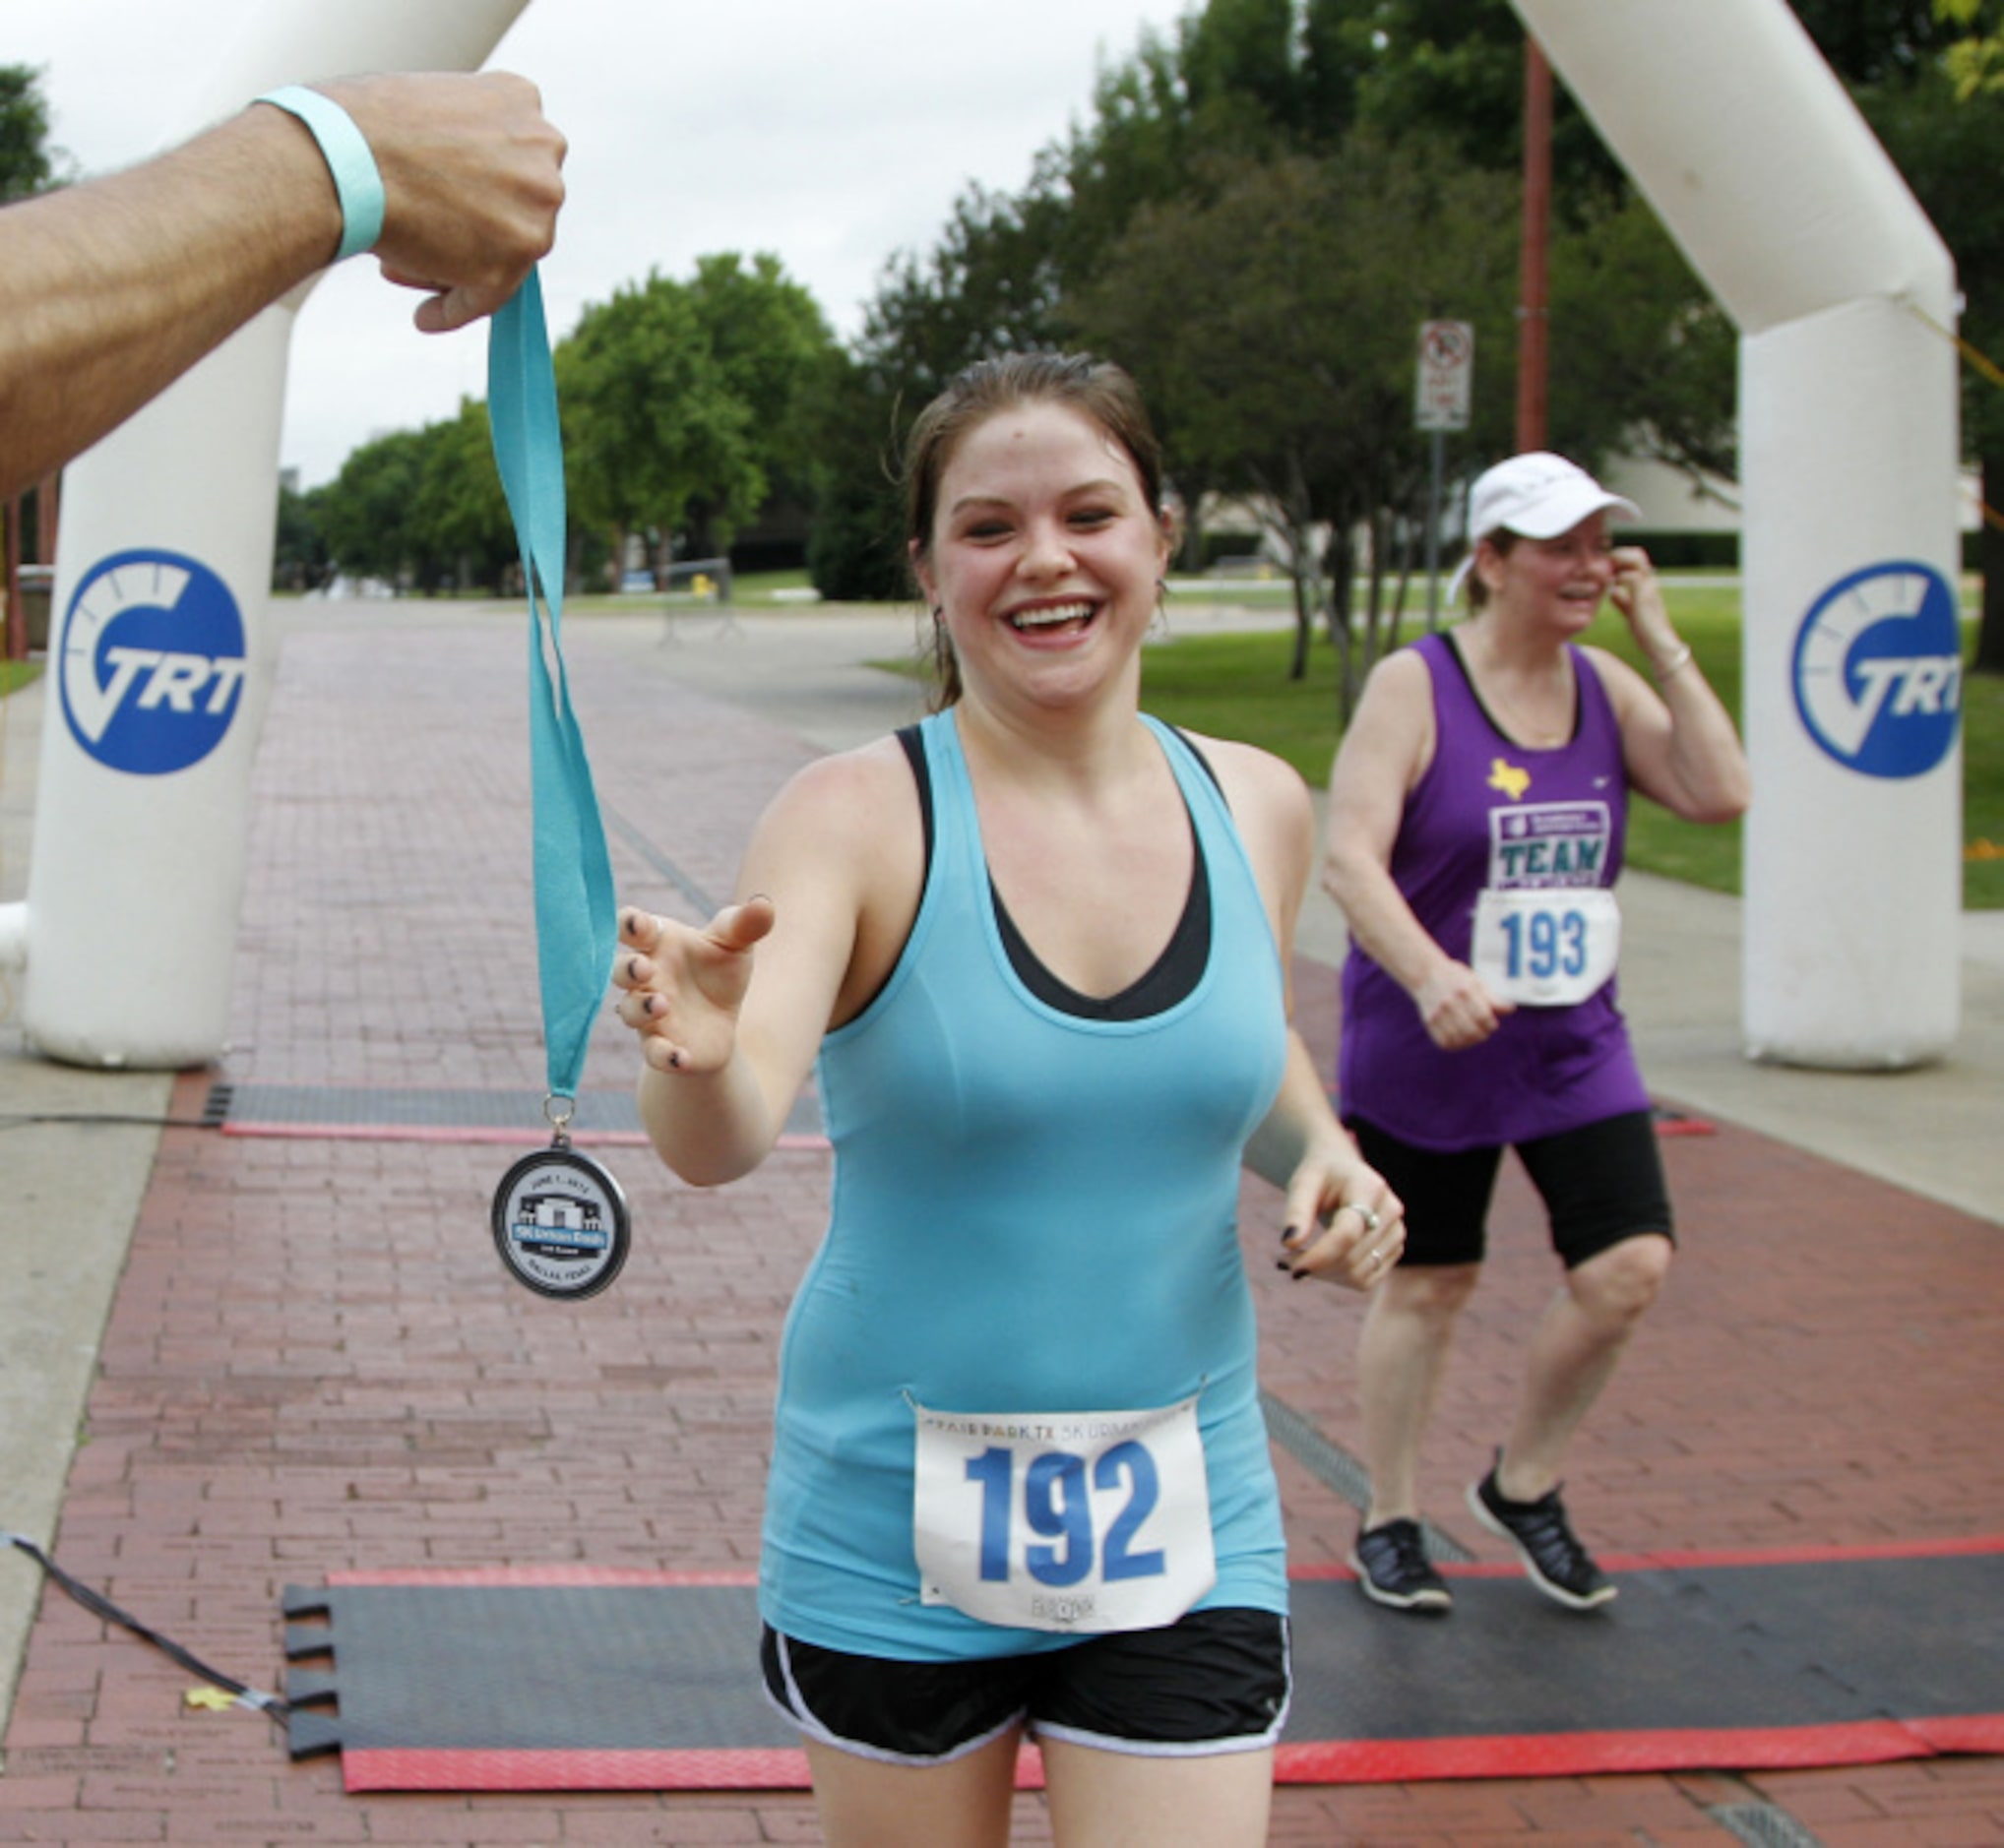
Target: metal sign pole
[1442,391]
[1433,540]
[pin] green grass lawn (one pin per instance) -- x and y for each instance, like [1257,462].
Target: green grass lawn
[1983,793]
[18,674]
[1237,687]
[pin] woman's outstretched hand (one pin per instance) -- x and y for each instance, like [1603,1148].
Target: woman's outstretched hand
[682,987]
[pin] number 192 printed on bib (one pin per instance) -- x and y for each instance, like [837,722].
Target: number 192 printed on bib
[1081,1521]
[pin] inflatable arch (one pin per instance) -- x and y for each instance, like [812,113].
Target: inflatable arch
[161,658]
[1741,136]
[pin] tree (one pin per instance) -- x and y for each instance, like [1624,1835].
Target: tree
[1929,78]
[420,508]
[1236,81]
[461,509]
[1271,324]
[772,343]
[300,559]
[684,403]
[1642,360]
[1645,361]
[1239,79]
[1876,42]
[368,510]
[1974,59]
[855,548]
[651,424]
[989,286]
[28,165]
[1454,68]
[1175,219]
[1949,146]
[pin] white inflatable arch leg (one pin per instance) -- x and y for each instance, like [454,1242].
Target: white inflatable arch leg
[1740,137]
[161,656]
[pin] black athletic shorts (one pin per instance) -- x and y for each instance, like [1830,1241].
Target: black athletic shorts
[1212,1682]
[1601,1182]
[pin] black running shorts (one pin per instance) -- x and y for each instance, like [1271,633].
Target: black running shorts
[1601,1182]
[1212,1682]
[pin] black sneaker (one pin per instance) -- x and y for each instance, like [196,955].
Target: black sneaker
[1558,1564]
[1392,1568]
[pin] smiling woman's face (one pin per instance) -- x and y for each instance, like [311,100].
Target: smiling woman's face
[1045,557]
[1559,581]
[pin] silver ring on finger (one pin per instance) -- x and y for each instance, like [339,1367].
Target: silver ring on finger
[1370,1219]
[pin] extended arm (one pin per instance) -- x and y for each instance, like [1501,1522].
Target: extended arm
[1389,742]
[731,1017]
[111,289]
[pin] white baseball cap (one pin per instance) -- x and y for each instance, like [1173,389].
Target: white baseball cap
[1536,494]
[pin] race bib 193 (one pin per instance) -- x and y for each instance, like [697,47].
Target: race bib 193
[1087,1522]
[1546,949]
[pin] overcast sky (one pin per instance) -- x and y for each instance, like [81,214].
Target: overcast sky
[832,133]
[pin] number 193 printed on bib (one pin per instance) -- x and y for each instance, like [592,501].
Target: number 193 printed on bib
[1546,949]
[1084,1521]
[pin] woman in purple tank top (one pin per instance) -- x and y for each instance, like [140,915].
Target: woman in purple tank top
[1476,818]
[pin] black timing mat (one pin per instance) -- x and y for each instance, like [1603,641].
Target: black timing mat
[573,1679]
[403,1113]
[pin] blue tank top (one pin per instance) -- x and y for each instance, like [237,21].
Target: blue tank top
[1544,1070]
[1032,1210]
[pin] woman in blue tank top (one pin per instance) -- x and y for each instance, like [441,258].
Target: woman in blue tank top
[1035,952]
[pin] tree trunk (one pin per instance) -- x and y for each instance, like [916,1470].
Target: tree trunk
[1990,557]
[1407,543]
[1190,534]
[1374,596]
[10,591]
[1341,560]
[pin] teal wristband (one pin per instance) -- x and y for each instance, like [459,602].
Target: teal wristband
[356,183]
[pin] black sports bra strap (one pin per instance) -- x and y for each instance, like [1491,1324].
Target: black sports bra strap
[1173,975]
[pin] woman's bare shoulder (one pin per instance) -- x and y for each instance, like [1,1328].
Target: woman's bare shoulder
[1267,796]
[846,788]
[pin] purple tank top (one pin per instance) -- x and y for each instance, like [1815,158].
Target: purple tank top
[1487,811]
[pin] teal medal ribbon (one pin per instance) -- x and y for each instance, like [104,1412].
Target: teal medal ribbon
[559,1219]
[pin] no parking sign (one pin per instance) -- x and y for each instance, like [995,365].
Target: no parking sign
[1447,365]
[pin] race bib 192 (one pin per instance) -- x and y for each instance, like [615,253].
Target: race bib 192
[1087,1522]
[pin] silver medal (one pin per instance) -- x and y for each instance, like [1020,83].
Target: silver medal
[560,1222]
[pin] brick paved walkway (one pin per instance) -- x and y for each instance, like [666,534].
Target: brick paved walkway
[314,1362]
